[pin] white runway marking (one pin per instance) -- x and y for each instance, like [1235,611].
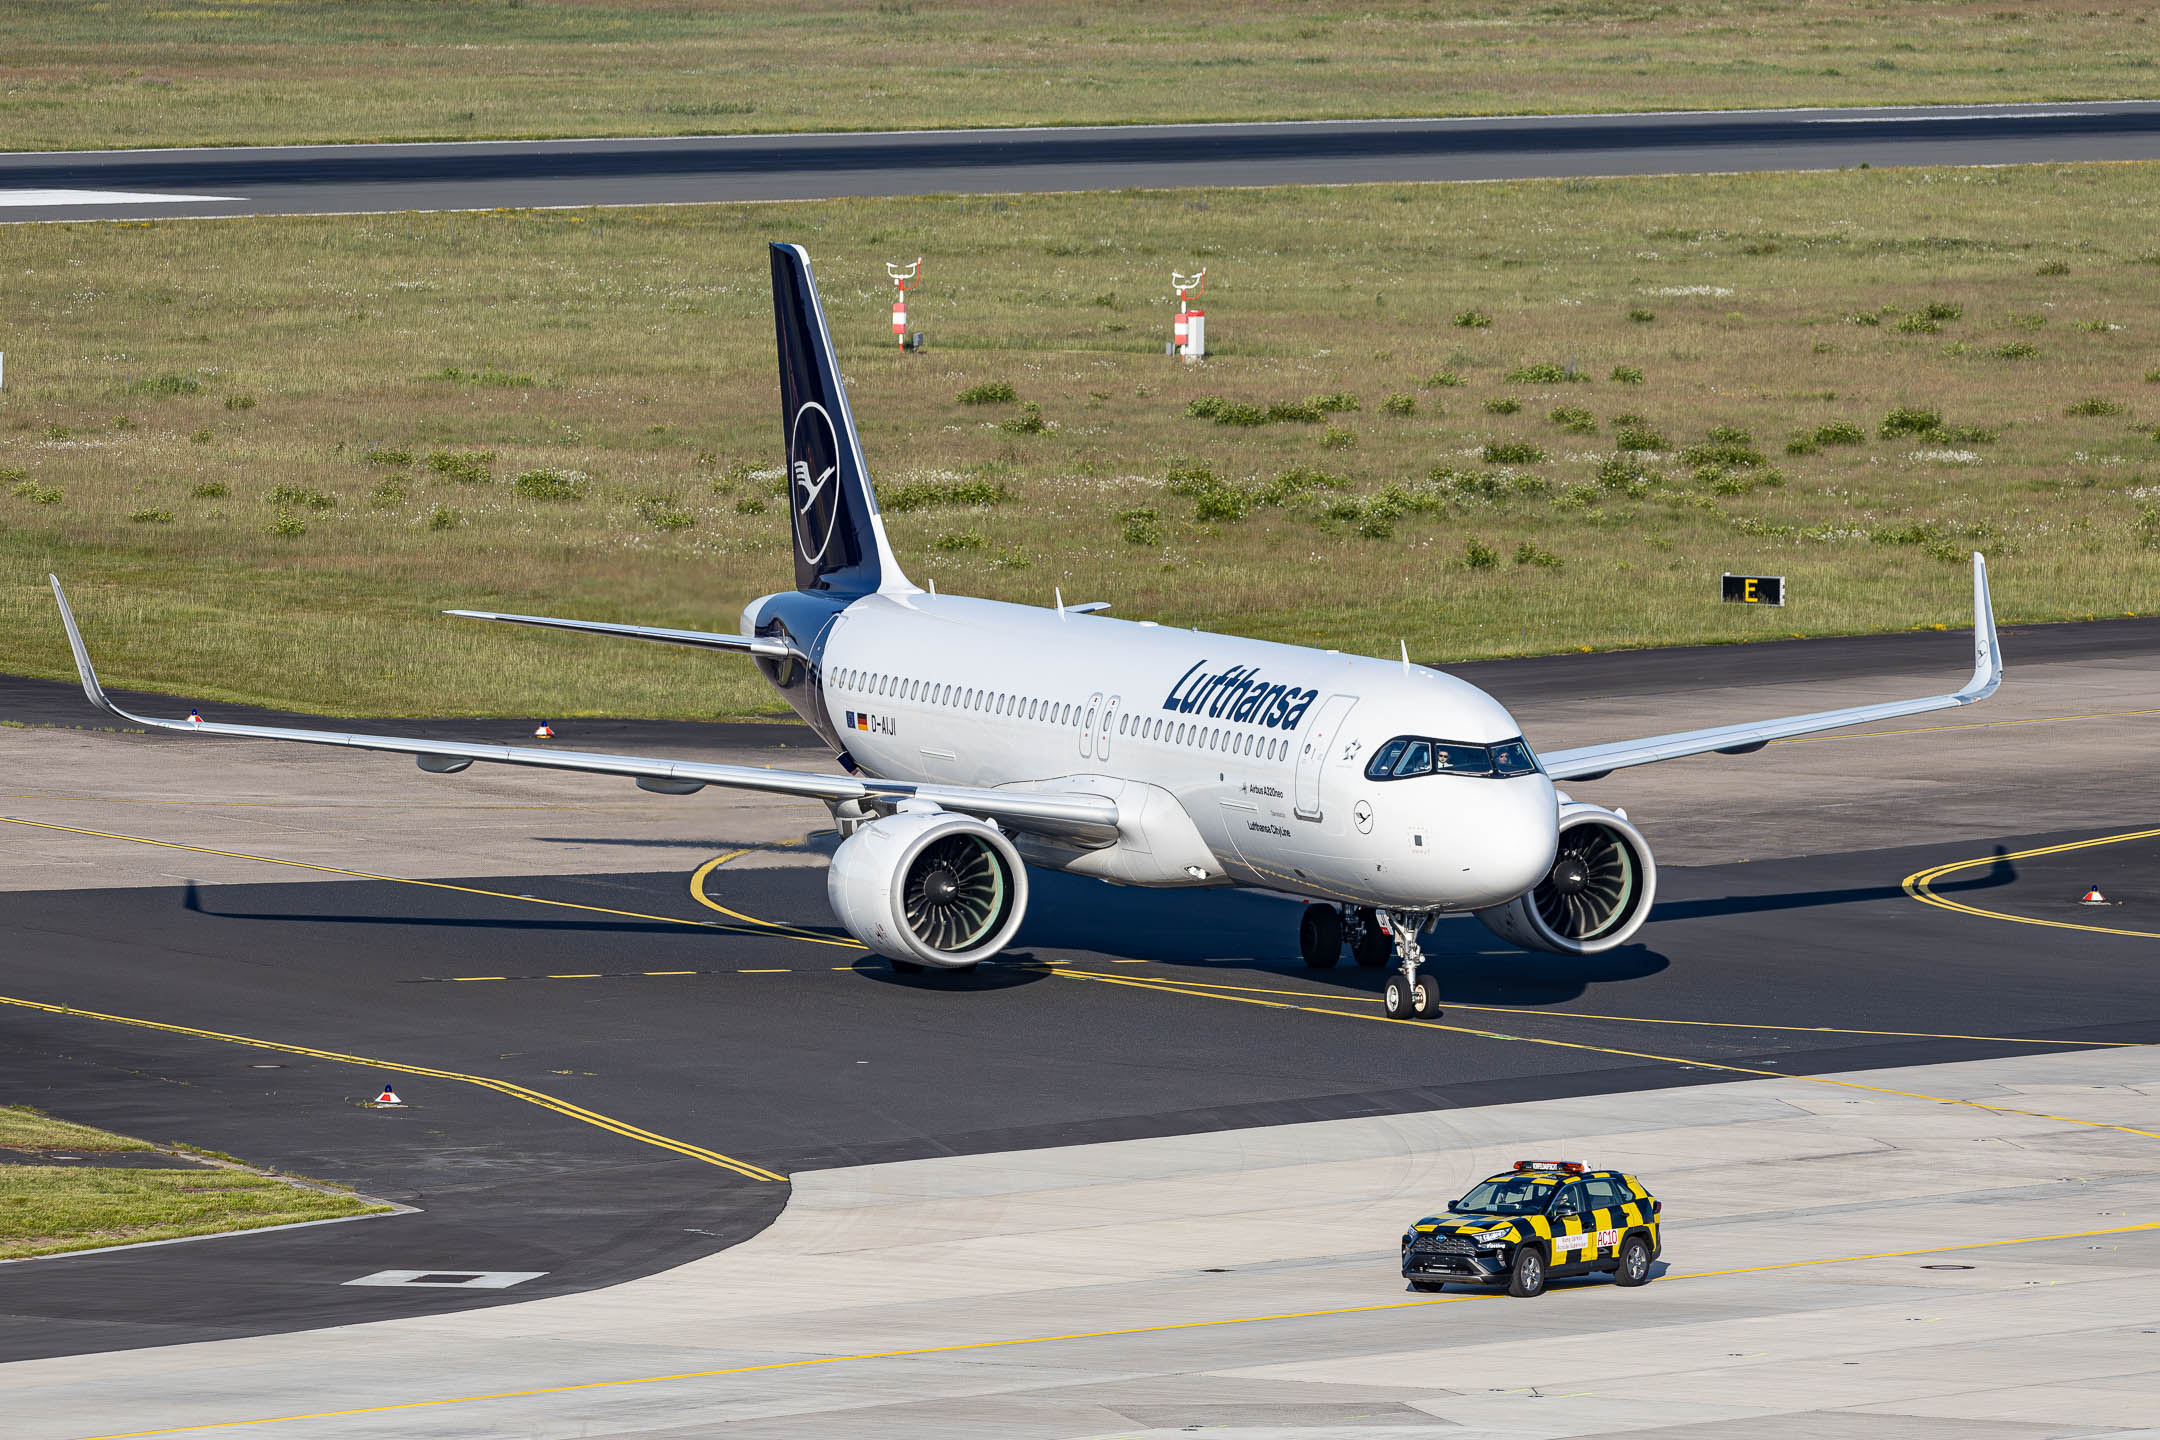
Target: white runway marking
[463,1279]
[99,197]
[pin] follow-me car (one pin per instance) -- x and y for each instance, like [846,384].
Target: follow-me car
[1543,1218]
[976,735]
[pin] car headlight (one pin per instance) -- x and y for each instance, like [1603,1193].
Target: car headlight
[1495,1238]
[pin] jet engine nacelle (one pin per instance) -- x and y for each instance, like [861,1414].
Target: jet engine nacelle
[1597,894]
[928,887]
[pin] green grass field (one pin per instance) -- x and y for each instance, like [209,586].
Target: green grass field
[51,1209]
[266,452]
[98,73]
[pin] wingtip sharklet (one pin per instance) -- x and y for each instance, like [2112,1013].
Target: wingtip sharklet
[84,670]
[1987,651]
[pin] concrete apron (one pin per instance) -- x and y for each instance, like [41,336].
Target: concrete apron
[1247,1280]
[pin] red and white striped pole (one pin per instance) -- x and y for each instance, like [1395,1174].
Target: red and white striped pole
[903,279]
[1188,332]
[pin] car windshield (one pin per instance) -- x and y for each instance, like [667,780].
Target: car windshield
[1509,1195]
[1408,755]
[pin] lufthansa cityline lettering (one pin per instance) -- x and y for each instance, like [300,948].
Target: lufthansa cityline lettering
[1239,696]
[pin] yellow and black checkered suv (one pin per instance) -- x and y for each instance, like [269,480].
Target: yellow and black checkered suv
[1540,1219]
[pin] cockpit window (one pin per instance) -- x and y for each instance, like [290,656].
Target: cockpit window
[1408,755]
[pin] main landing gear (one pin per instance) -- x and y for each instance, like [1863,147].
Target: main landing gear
[1375,937]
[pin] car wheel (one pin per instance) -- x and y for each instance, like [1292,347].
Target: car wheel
[1634,1267]
[1426,1287]
[1526,1278]
[1319,937]
[1395,999]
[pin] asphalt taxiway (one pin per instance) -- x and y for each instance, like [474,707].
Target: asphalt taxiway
[330,179]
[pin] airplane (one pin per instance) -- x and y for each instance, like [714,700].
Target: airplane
[978,737]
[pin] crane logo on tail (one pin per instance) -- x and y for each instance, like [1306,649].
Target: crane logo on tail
[813,464]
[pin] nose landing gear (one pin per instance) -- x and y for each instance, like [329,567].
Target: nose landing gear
[1408,995]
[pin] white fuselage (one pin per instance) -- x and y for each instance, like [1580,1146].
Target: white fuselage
[1232,760]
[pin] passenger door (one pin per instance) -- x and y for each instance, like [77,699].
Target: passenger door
[1104,731]
[1313,753]
[1087,727]
[1571,1242]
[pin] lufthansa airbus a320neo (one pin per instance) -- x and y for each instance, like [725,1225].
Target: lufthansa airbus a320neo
[980,737]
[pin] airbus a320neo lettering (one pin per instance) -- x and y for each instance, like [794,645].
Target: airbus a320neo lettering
[980,737]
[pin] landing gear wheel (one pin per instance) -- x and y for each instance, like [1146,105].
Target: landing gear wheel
[1396,998]
[1424,998]
[1319,937]
[1526,1278]
[1426,1287]
[1373,946]
[1634,1268]
[906,967]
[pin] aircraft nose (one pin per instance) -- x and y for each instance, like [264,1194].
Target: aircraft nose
[1511,843]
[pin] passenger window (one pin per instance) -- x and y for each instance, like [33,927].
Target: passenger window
[1416,759]
[1568,1203]
[1606,1194]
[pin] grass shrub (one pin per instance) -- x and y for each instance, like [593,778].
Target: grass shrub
[990,392]
[288,525]
[1544,373]
[1477,555]
[1503,405]
[1028,422]
[466,467]
[1638,436]
[444,518]
[1529,553]
[388,457]
[390,490]
[1573,419]
[1627,375]
[1441,380]
[1641,316]
[1908,420]
[167,385]
[2094,405]
[1944,310]
[551,483]
[1337,438]
[1400,404]
[1227,412]
[662,513]
[1141,526]
[1626,474]
[960,541]
[239,402]
[750,505]
[1472,320]
[301,497]
[1727,448]
[210,490]
[1917,325]
[2015,350]
[1840,432]
[1513,452]
[2152,377]
[2053,267]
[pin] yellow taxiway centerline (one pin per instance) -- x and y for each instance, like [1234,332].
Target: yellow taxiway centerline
[586,1387]
[1918,885]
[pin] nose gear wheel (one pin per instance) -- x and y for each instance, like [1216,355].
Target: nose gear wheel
[955,895]
[1592,884]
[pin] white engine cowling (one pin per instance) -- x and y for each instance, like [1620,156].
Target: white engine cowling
[1597,894]
[928,887]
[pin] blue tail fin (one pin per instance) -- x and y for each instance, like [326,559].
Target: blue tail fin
[840,544]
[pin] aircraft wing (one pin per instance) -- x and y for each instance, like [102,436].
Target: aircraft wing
[1591,762]
[1087,819]
[759,645]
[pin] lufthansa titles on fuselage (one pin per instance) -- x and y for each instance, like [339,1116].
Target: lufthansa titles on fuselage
[1239,696]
